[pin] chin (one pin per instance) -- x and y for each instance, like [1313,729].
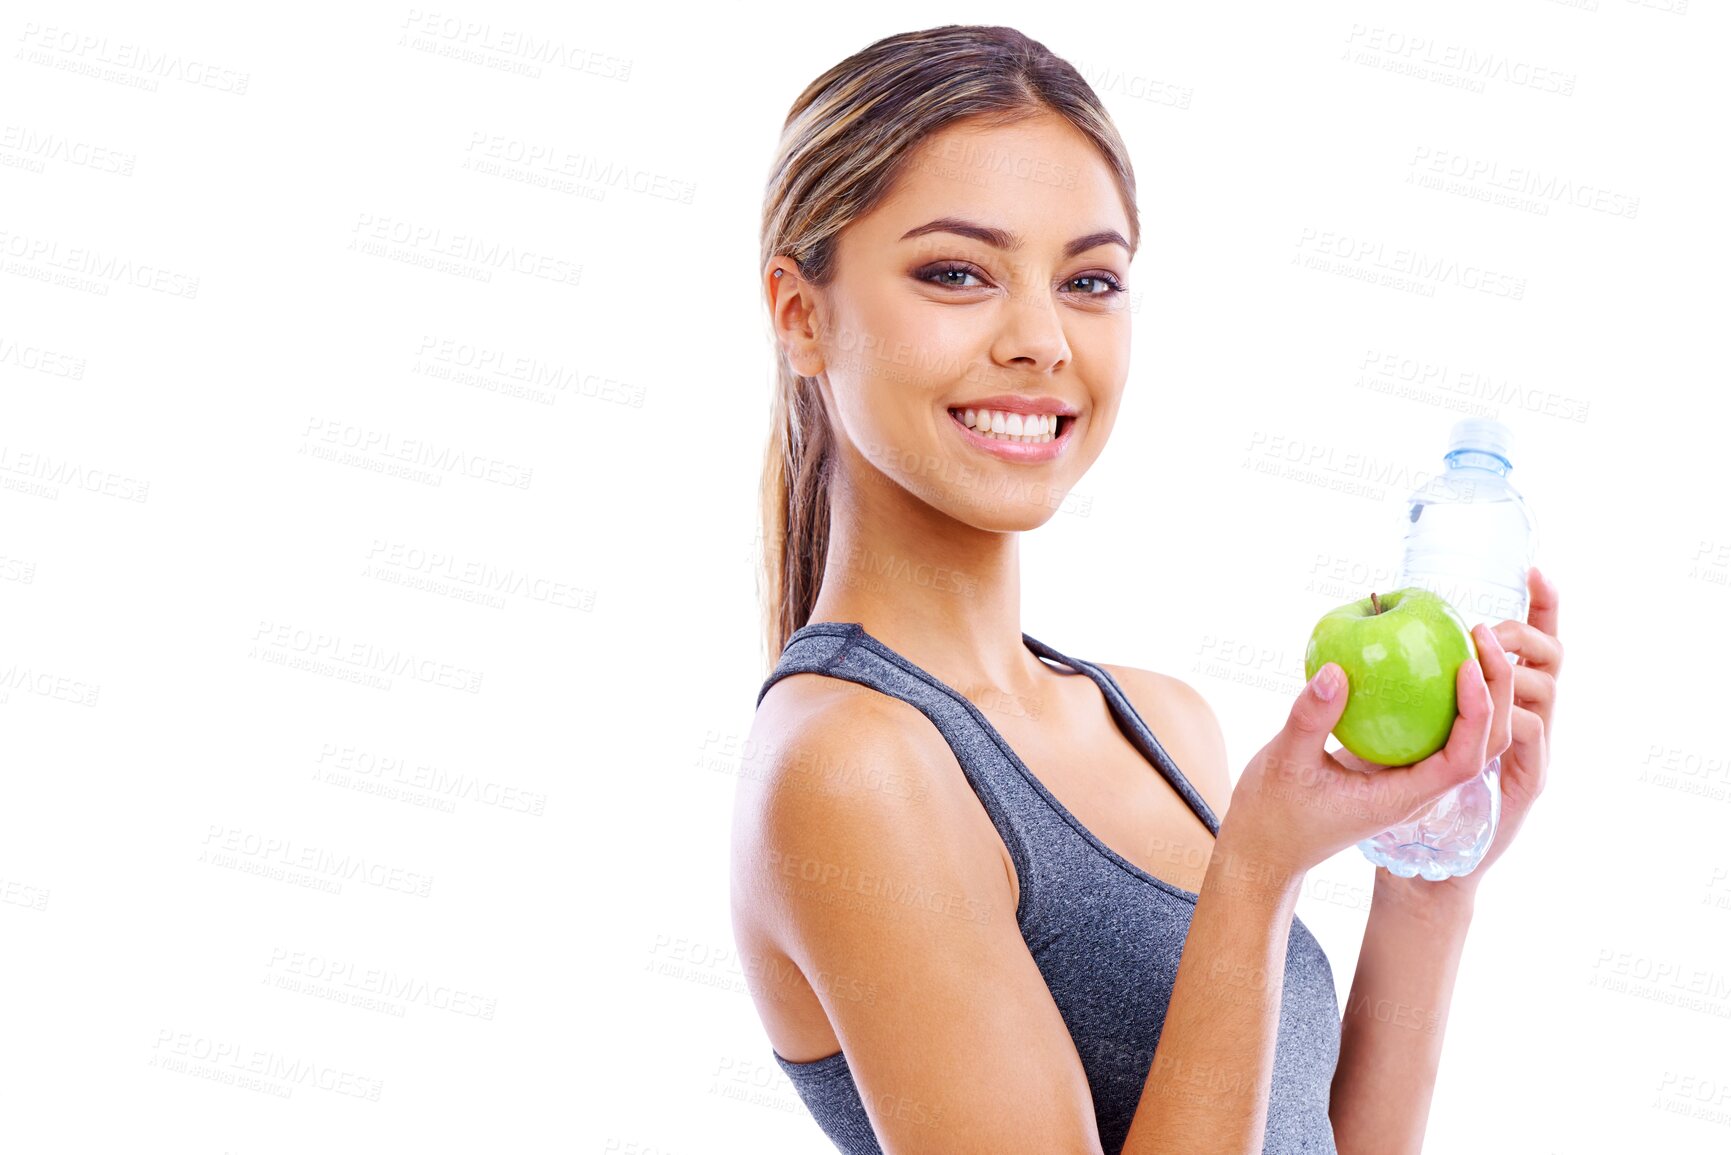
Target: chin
[1000,515]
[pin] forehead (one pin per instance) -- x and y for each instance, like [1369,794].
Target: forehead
[1040,178]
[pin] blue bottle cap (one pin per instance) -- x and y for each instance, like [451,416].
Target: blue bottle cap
[1482,435]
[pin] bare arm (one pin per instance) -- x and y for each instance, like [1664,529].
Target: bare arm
[1294,806]
[1213,1069]
[962,1051]
[1392,1032]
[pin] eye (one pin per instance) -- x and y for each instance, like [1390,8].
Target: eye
[1105,284]
[947,270]
[1099,284]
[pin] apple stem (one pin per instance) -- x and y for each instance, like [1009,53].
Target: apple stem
[1375,604]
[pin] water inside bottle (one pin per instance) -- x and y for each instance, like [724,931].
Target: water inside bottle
[1469,539]
[1481,583]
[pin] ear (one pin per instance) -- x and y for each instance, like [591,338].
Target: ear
[793,308]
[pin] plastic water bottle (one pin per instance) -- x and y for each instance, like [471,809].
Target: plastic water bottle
[1470,539]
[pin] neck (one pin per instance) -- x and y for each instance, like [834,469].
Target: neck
[943,593]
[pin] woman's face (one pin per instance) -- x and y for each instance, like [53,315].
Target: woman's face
[995,280]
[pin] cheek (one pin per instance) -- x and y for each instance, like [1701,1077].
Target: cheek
[1105,349]
[877,341]
[918,350]
[1103,357]
[1102,419]
[899,357]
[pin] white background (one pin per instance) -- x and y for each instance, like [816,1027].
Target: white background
[212,368]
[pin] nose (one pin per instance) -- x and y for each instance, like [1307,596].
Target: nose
[1032,334]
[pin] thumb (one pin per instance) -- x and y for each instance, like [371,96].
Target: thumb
[1317,710]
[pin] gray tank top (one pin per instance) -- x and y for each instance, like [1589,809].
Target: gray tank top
[1105,933]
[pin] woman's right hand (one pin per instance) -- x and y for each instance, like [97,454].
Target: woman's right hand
[1297,805]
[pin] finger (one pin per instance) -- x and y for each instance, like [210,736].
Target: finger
[1500,678]
[1347,760]
[1525,765]
[1535,648]
[1542,608]
[1319,707]
[1535,690]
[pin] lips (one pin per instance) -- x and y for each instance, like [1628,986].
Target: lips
[1018,452]
[1017,403]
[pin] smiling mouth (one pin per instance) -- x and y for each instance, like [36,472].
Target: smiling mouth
[1035,429]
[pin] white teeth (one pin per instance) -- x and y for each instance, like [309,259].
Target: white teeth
[1001,426]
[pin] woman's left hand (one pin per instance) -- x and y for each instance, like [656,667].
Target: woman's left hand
[1524,762]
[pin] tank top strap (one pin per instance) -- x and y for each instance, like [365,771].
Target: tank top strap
[845,650]
[1136,730]
[815,648]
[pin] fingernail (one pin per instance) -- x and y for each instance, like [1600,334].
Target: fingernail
[1327,682]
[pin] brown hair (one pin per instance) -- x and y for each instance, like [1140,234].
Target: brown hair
[847,138]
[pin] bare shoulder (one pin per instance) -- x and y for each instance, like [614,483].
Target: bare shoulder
[1185,724]
[827,740]
[904,926]
[834,764]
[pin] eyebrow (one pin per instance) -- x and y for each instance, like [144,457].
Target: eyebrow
[1003,239]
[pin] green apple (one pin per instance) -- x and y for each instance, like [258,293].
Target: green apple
[1401,652]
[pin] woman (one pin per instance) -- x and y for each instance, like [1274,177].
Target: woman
[977,921]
